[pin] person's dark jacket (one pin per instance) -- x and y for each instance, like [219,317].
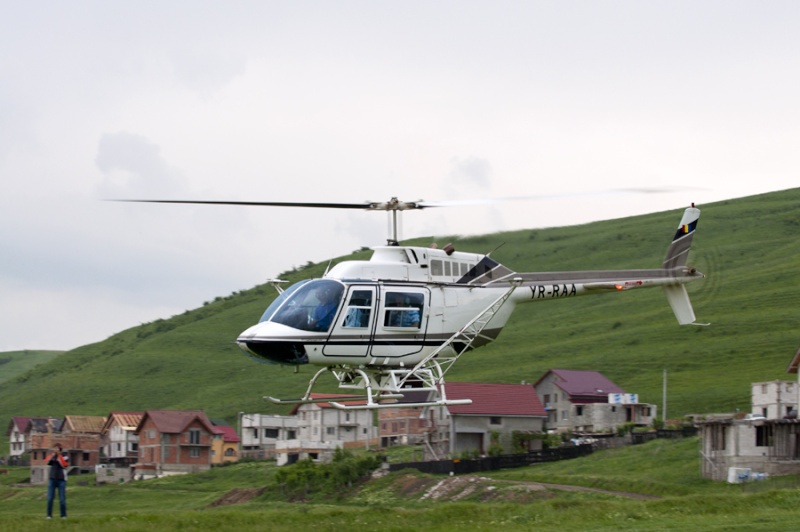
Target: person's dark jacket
[58,466]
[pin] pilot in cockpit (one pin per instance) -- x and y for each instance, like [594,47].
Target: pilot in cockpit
[322,315]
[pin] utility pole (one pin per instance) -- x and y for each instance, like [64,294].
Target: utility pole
[664,400]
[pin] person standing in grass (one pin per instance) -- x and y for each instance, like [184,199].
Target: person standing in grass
[58,480]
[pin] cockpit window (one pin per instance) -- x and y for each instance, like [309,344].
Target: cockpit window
[311,307]
[280,300]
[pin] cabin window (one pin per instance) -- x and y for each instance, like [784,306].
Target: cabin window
[447,268]
[403,309]
[437,268]
[360,308]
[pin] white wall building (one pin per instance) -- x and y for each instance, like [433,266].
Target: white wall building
[260,433]
[774,399]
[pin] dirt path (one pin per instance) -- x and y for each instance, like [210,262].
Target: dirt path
[458,487]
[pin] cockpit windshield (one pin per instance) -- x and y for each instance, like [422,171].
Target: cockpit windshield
[311,306]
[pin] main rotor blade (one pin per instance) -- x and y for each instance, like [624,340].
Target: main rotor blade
[392,205]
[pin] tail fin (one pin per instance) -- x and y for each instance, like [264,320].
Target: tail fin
[678,251]
[677,255]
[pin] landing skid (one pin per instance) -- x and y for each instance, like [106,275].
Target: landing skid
[382,387]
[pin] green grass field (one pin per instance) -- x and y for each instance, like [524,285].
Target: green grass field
[666,470]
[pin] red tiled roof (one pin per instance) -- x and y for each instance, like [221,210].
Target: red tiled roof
[21,422]
[228,433]
[583,383]
[495,399]
[175,421]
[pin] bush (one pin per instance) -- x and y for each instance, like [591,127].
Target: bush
[305,478]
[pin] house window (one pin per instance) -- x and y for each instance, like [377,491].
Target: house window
[579,410]
[271,433]
[717,438]
[564,415]
[291,435]
[495,420]
[194,436]
[119,447]
[330,431]
[85,457]
[764,436]
[546,399]
[555,397]
[194,452]
[134,447]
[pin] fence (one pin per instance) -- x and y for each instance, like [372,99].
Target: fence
[492,463]
[644,437]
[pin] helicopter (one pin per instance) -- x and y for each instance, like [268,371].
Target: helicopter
[400,320]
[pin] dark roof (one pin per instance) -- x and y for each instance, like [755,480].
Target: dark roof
[228,433]
[175,421]
[45,424]
[495,399]
[582,383]
[793,365]
[21,422]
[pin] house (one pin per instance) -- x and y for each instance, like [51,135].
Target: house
[736,443]
[767,440]
[261,432]
[173,442]
[224,445]
[118,441]
[18,432]
[588,402]
[774,399]
[404,425]
[321,428]
[79,437]
[497,413]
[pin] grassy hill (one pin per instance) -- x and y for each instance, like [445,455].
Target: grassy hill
[748,247]
[14,363]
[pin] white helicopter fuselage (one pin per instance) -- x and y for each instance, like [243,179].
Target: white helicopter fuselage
[405,303]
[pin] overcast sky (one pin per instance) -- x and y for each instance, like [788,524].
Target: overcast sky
[352,101]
